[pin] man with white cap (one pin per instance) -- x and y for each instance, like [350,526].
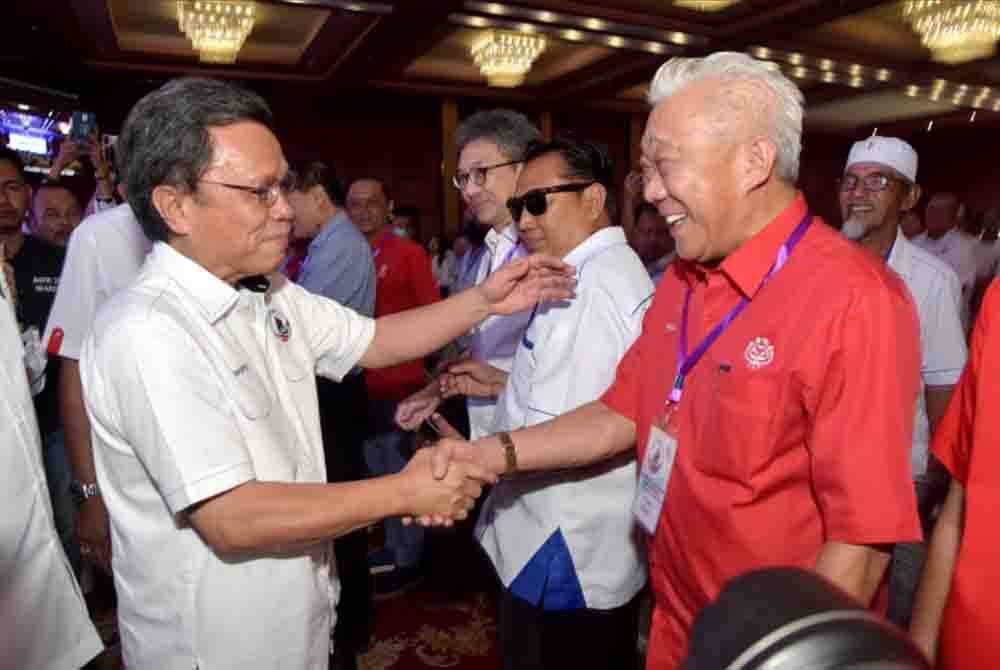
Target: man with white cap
[878,187]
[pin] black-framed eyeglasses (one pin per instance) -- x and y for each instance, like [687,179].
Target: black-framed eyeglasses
[872,182]
[536,202]
[477,174]
[267,195]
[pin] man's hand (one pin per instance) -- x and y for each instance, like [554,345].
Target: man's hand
[445,499]
[69,151]
[93,533]
[473,378]
[412,411]
[525,282]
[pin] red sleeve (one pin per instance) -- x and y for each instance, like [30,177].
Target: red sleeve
[952,443]
[861,403]
[425,288]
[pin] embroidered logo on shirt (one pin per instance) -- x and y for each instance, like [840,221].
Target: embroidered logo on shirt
[280,325]
[671,328]
[759,352]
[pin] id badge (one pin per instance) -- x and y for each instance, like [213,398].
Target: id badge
[654,475]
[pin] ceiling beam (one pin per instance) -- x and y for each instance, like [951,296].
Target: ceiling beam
[604,78]
[785,19]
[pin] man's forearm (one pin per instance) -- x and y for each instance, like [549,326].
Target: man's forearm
[76,425]
[589,434]
[936,399]
[415,333]
[857,569]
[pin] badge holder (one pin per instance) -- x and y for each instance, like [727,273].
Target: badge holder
[654,474]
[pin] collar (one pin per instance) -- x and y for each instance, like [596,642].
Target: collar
[749,264]
[328,230]
[508,235]
[900,255]
[604,238]
[213,296]
[661,263]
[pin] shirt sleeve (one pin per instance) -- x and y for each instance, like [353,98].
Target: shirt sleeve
[339,270]
[338,336]
[942,335]
[77,298]
[624,395]
[150,387]
[861,415]
[425,288]
[952,443]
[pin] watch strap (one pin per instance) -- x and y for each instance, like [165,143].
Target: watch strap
[510,452]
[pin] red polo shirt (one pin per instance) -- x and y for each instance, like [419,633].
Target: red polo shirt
[794,429]
[967,442]
[403,280]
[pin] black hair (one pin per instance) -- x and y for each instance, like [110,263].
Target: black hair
[12,157]
[584,160]
[317,173]
[166,139]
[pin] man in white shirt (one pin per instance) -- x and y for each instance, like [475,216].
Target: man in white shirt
[104,254]
[199,380]
[490,145]
[45,621]
[878,185]
[945,239]
[563,543]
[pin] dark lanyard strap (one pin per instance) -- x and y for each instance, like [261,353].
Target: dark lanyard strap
[686,361]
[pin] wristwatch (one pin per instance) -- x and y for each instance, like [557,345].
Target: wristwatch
[82,491]
[509,452]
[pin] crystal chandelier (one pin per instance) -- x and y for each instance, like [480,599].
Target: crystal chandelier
[706,5]
[505,57]
[956,31]
[216,29]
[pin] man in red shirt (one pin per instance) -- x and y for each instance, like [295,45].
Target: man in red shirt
[956,616]
[772,390]
[403,280]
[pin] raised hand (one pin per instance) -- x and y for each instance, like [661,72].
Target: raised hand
[444,499]
[525,282]
[473,378]
[412,411]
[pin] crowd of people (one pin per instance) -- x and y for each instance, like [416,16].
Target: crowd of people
[230,370]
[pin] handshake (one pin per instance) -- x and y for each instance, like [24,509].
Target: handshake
[443,481]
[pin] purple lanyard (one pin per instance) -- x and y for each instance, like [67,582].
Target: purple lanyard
[506,259]
[686,361]
[381,243]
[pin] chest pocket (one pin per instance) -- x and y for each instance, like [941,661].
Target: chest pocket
[250,393]
[735,427]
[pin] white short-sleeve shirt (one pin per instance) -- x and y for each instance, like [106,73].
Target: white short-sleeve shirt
[566,540]
[104,254]
[45,621]
[495,340]
[194,387]
[938,296]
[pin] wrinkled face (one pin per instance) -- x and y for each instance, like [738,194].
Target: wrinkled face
[865,211]
[229,231]
[690,174]
[55,213]
[308,217]
[651,239]
[566,218]
[941,215]
[15,195]
[487,203]
[368,207]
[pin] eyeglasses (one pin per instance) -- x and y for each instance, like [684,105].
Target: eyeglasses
[477,174]
[266,195]
[872,182]
[535,201]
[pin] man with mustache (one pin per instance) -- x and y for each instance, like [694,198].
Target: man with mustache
[879,185]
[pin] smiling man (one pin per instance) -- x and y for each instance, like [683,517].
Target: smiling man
[880,184]
[772,389]
[199,380]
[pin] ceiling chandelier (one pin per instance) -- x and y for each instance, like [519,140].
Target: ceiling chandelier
[956,31]
[504,58]
[216,29]
[706,5]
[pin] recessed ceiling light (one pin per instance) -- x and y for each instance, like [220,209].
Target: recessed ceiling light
[856,70]
[655,47]
[494,8]
[800,72]
[574,35]
[615,41]
[526,27]
[679,38]
[762,52]
[912,90]
[548,17]
[883,75]
[856,82]
[23,107]
[478,22]
[826,64]
[828,77]
[594,24]
[795,59]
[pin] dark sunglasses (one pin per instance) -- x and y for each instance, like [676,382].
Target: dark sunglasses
[535,201]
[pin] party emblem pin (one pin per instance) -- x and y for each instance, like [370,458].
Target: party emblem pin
[280,325]
[759,352]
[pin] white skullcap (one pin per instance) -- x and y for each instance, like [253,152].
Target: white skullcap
[889,151]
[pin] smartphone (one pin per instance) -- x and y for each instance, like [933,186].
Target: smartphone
[82,126]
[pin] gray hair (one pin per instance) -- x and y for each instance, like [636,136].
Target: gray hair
[761,94]
[511,131]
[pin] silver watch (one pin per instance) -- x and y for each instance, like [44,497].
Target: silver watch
[82,491]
